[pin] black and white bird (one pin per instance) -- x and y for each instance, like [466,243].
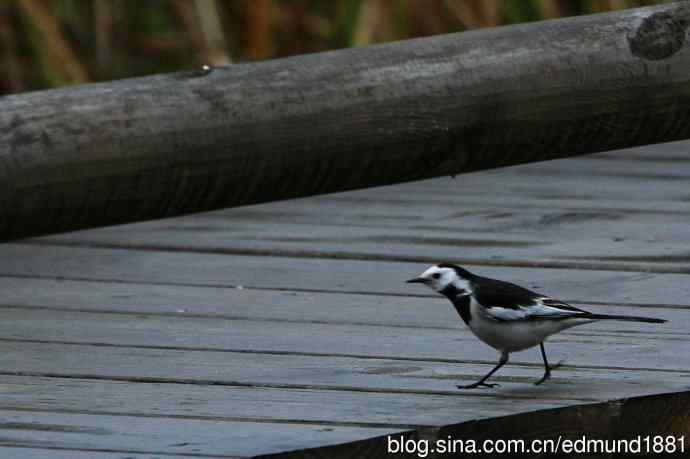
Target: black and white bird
[505,316]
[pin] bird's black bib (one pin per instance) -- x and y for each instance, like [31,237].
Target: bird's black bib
[461,301]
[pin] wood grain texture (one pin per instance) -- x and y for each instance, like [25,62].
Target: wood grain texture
[285,326]
[319,274]
[581,219]
[158,435]
[174,144]
[184,301]
[625,345]
[243,403]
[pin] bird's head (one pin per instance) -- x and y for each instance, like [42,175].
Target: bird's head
[447,279]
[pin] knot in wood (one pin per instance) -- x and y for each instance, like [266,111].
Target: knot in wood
[659,36]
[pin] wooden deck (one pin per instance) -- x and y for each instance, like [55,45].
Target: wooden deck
[287,326]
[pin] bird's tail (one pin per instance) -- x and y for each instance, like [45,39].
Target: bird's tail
[650,320]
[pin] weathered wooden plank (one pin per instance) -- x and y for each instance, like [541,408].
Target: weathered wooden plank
[621,349]
[671,152]
[677,155]
[462,220]
[626,345]
[319,274]
[455,201]
[584,177]
[172,351]
[156,435]
[498,189]
[432,225]
[564,239]
[289,371]
[29,452]
[254,404]
[651,171]
[609,195]
[559,182]
[97,432]
[231,303]
[489,223]
[561,239]
[193,401]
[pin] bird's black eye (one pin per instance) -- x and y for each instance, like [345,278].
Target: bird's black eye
[436,275]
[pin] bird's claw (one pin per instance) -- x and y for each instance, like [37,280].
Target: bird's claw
[543,378]
[547,375]
[558,365]
[478,384]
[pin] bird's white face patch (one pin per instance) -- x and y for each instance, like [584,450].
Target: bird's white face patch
[439,279]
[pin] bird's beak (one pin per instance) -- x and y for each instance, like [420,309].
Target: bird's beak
[416,280]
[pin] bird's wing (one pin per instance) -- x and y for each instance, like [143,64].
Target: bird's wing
[538,309]
[504,301]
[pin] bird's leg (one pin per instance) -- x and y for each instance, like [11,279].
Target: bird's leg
[547,368]
[502,361]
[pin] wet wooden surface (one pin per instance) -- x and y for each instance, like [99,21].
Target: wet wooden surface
[287,326]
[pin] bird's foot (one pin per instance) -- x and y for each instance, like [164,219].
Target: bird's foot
[478,384]
[546,376]
[547,373]
[558,365]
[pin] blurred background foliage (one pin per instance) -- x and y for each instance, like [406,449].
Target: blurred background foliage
[48,43]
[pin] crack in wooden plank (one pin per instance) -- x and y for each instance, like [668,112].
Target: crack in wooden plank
[648,335]
[359,256]
[258,385]
[247,419]
[188,316]
[329,355]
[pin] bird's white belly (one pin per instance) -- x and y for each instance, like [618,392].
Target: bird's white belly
[512,336]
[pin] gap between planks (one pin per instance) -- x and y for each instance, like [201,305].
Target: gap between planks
[323,354]
[285,386]
[363,256]
[247,419]
[188,315]
[291,289]
[359,256]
